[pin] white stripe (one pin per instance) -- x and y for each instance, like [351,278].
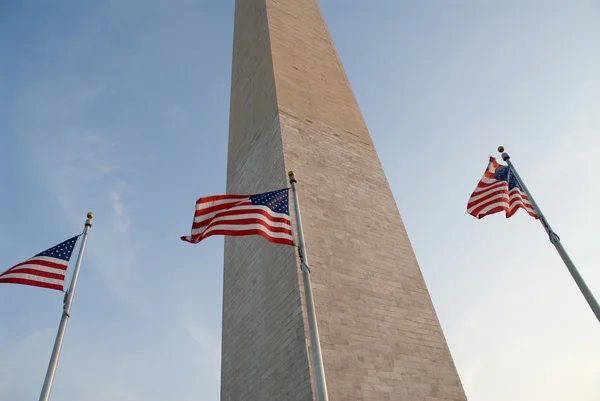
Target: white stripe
[206,205]
[204,217]
[249,227]
[527,206]
[518,195]
[487,180]
[488,191]
[31,277]
[500,197]
[48,259]
[200,219]
[503,204]
[244,216]
[490,207]
[514,193]
[37,267]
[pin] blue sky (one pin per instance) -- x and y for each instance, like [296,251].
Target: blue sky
[121,108]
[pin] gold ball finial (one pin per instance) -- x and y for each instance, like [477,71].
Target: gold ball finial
[291,173]
[500,149]
[90,215]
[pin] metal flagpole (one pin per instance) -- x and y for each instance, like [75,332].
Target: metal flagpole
[65,316]
[310,306]
[555,240]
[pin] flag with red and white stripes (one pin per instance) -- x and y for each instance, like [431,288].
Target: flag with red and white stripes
[265,214]
[46,269]
[498,191]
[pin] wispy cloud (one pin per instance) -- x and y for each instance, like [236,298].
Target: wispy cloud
[121,219]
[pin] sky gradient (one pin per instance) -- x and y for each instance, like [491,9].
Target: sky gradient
[122,107]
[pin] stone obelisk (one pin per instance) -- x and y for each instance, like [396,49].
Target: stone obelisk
[292,108]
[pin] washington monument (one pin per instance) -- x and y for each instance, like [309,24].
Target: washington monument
[292,108]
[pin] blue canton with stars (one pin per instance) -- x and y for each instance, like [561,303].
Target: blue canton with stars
[277,201]
[61,251]
[503,173]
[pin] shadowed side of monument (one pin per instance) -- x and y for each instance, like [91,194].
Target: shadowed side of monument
[264,347]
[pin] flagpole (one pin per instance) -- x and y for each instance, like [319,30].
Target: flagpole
[310,307]
[45,394]
[555,240]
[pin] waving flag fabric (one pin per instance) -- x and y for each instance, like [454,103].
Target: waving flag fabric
[46,269]
[265,214]
[498,191]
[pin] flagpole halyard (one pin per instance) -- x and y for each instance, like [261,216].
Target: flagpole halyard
[47,387]
[555,240]
[310,307]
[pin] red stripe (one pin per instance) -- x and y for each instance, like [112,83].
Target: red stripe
[514,207]
[522,197]
[485,204]
[241,233]
[482,188]
[500,191]
[489,174]
[214,198]
[521,200]
[242,222]
[32,283]
[517,207]
[35,272]
[223,206]
[518,191]
[487,185]
[235,212]
[39,262]
[509,210]
[491,211]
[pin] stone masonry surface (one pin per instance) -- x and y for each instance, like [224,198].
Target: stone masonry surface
[292,108]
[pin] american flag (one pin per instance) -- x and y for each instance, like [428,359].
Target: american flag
[46,269]
[498,191]
[266,214]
